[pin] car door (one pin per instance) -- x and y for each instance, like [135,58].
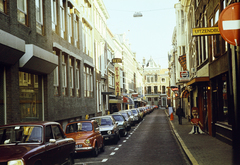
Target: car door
[51,149]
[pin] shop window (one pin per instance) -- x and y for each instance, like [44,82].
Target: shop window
[30,90]
[39,16]
[3,6]
[22,11]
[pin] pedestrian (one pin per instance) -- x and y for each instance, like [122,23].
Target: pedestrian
[179,113]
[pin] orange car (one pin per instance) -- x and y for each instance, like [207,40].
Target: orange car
[87,136]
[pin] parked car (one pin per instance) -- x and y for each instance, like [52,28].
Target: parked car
[86,135]
[108,128]
[121,122]
[35,143]
[134,119]
[128,118]
[136,114]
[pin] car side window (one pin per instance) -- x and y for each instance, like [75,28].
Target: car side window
[57,132]
[48,133]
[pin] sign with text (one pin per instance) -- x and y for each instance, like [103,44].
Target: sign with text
[117,60]
[205,31]
[184,76]
[117,80]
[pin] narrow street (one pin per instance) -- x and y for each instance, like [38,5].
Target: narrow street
[150,142]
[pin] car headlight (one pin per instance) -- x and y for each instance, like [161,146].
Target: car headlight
[87,141]
[16,162]
[109,132]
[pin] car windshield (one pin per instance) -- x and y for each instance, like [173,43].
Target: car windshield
[134,111]
[125,115]
[118,117]
[20,134]
[77,127]
[130,114]
[104,121]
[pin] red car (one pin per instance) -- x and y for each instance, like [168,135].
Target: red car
[35,143]
[87,136]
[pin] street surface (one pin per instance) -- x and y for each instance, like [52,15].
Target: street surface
[150,142]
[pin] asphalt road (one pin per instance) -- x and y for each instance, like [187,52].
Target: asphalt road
[150,142]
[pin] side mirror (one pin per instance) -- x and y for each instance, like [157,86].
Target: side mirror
[52,140]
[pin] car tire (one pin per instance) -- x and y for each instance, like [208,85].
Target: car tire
[116,139]
[70,161]
[103,147]
[95,150]
[126,133]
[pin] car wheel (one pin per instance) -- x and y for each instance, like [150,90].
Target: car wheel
[95,150]
[103,147]
[125,133]
[38,163]
[116,138]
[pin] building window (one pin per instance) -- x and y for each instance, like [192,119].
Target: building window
[155,89]
[163,80]
[71,77]
[78,78]
[163,90]
[56,81]
[22,11]
[62,19]
[64,75]
[88,81]
[76,30]
[149,90]
[3,6]
[39,16]
[30,87]
[54,14]
[69,16]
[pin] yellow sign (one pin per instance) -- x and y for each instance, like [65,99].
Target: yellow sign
[205,31]
[117,80]
[117,60]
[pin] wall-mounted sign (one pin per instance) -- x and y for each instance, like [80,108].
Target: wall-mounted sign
[184,76]
[117,60]
[205,31]
[117,80]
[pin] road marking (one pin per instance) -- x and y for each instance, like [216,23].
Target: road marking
[124,141]
[231,25]
[113,153]
[104,160]
[116,149]
[127,137]
[120,145]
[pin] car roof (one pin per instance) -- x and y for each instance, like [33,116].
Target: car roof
[89,121]
[41,123]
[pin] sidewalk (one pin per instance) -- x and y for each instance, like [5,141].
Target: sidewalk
[201,149]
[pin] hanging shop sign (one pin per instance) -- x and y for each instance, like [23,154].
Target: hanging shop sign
[117,60]
[205,31]
[117,80]
[229,24]
[184,76]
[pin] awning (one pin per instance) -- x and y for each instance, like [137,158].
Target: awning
[197,80]
[115,101]
[174,89]
[128,100]
[184,94]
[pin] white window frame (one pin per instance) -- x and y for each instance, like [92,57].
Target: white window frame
[64,72]
[69,25]
[75,29]
[39,21]
[62,18]
[54,14]
[22,10]
[55,73]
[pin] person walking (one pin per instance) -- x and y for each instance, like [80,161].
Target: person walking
[179,113]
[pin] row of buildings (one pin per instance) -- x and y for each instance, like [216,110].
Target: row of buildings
[59,61]
[204,71]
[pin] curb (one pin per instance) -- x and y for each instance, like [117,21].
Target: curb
[184,147]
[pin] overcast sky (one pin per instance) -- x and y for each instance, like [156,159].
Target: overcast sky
[149,35]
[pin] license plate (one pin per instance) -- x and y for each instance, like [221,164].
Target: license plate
[79,146]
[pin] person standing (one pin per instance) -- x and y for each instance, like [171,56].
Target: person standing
[179,113]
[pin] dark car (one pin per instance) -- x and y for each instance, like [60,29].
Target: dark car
[86,135]
[128,118]
[122,123]
[108,128]
[35,143]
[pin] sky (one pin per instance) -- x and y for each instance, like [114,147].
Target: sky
[149,35]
